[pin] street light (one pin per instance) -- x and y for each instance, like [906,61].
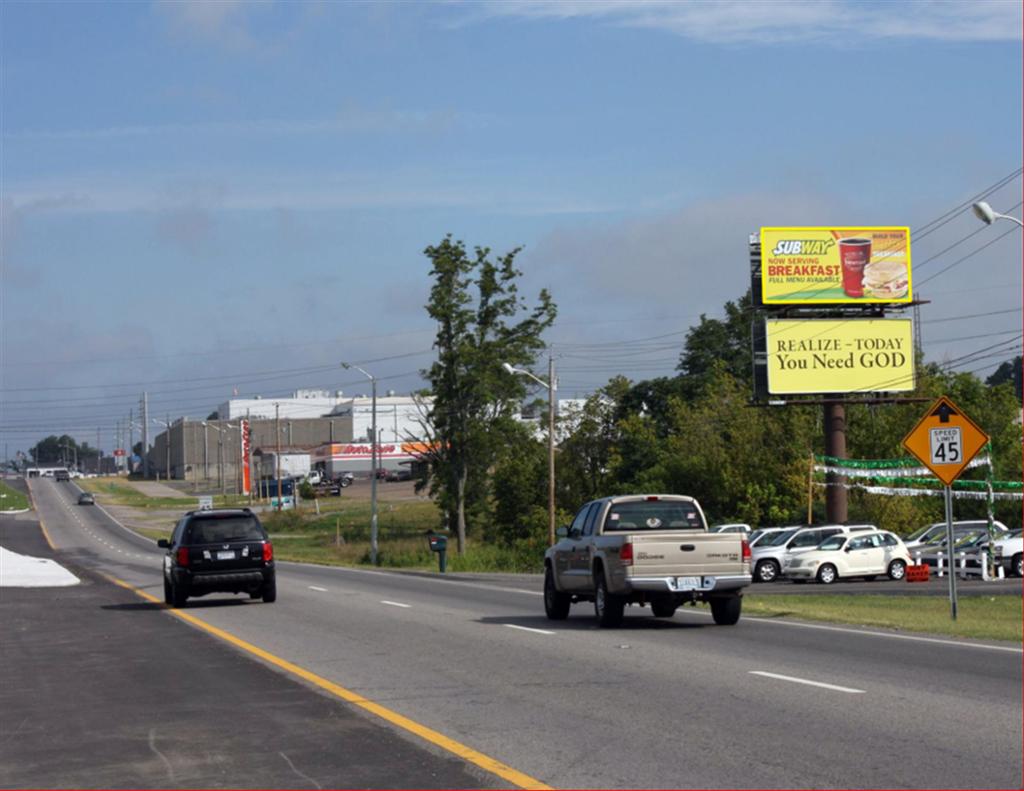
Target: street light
[551,386]
[373,461]
[985,213]
[167,445]
[220,455]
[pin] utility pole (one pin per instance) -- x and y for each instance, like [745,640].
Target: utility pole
[99,454]
[145,435]
[167,472]
[551,450]
[277,425]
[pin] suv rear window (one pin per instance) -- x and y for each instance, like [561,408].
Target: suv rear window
[654,515]
[219,530]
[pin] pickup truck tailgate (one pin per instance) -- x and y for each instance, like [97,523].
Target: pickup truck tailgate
[684,553]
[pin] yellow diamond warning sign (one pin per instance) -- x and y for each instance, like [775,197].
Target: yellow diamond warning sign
[945,440]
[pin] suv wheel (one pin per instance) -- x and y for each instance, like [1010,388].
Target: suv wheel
[1018,565]
[270,590]
[168,596]
[767,571]
[179,595]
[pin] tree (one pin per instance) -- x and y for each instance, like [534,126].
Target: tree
[719,342]
[1009,371]
[475,303]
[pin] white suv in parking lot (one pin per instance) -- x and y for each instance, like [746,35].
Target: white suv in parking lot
[852,555]
[1009,552]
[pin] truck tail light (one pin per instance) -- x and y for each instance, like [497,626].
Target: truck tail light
[746,549]
[182,556]
[268,551]
[626,554]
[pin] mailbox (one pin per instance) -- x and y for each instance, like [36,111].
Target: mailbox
[439,544]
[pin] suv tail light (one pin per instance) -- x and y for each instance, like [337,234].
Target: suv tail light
[268,551]
[182,556]
[746,549]
[626,554]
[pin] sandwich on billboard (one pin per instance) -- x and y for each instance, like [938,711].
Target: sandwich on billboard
[808,356]
[855,266]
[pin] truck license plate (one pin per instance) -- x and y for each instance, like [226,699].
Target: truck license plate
[687,582]
[229,555]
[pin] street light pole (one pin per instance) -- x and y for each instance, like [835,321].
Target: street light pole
[373,461]
[552,387]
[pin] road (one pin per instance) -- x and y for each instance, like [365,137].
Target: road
[676,703]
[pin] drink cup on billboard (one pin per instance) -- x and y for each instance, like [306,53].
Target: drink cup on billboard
[854,254]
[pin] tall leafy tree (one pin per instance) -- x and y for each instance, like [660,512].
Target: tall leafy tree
[482,322]
[715,343]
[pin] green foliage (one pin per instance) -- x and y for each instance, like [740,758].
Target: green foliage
[715,344]
[481,323]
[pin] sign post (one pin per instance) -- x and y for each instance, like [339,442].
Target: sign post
[945,440]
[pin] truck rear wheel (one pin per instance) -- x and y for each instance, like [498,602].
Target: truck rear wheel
[556,603]
[607,607]
[663,609]
[726,610]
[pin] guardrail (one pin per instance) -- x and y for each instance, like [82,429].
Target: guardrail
[959,562]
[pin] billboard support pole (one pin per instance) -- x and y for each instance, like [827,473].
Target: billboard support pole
[836,510]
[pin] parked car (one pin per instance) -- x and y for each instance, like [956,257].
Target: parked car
[225,550]
[769,557]
[855,554]
[1009,551]
[737,527]
[402,474]
[762,533]
[935,533]
[86,498]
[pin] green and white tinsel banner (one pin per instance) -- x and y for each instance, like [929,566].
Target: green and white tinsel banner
[904,492]
[889,472]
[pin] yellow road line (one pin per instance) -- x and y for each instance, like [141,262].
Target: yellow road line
[485,762]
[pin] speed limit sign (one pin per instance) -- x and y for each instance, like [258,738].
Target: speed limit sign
[945,440]
[946,445]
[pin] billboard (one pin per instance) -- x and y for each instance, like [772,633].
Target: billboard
[847,265]
[839,355]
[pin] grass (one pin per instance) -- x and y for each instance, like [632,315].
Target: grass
[116,492]
[12,499]
[981,617]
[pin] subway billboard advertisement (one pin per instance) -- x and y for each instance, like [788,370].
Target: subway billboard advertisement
[807,356]
[848,265]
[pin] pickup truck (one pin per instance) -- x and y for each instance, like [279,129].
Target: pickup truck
[645,549]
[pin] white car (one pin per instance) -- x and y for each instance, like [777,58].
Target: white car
[1009,552]
[852,555]
[935,533]
[769,556]
[730,528]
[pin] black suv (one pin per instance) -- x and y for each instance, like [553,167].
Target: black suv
[224,551]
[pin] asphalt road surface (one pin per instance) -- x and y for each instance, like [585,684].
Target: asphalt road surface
[676,703]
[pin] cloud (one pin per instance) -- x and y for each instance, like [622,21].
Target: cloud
[840,22]
[221,21]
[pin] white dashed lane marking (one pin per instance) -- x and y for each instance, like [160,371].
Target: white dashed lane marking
[808,682]
[528,629]
[395,603]
[317,588]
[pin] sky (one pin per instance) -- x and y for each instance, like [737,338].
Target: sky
[199,198]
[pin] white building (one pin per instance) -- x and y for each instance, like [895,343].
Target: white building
[399,418]
[303,403]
